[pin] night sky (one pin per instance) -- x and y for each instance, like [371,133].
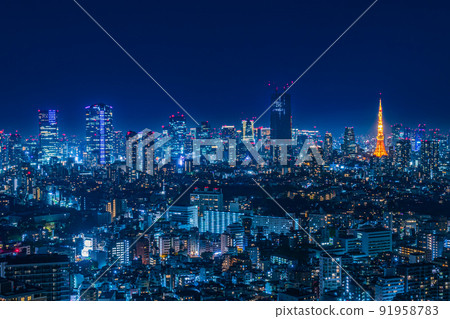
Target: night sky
[216,57]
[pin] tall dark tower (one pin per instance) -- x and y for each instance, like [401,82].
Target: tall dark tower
[280,117]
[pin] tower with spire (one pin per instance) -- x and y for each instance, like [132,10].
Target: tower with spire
[380,150]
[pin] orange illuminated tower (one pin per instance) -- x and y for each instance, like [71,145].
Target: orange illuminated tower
[380,150]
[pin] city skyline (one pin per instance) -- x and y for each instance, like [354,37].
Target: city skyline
[341,85]
[219,151]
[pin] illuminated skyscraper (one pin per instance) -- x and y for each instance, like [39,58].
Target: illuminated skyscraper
[330,274]
[178,132]
[280,117]
[247,130]
[99,133]
[48,134]
[380,149]
[429,158]
[14,149]
[228,132]
[3,149]
[397,133]
[328,147]
[119,145]
[402,154]
[349,147]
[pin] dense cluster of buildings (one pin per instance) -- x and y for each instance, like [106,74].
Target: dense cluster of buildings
[82,218]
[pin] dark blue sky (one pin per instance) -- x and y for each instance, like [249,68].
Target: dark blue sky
[215,58]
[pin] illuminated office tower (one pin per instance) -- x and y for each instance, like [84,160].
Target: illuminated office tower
[397,133]
[48,134]
[349,146]
[178,132]
[184,215]
[228,132]
[168,245]
[280,117]
[14,149]
[402,154]
[204,130]
[375,241]
[433,243]
[380,149]
[330,274]
[3,149]
[207,199]
[99,133]
[119,149]
[120,251]
[429,158]
[247,130]
[328,147]
[216,222]
[116,207]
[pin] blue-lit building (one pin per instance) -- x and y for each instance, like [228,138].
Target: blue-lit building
[178,132]
[99,133]
[48,134]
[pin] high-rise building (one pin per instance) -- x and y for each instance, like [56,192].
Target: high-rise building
[48,134]
[397,133]
[228,132]
[168,245]
[120,251]
[204,130]
[248,133]
[15,150]
[402,154]
[431,242]
[388,287]
[419,135]
[330,277]
[99,133]
[3,149]
[207,199]
[349,147]
[49,272]
[380,149]
[143,250]
[429,158]
[178,132]
[216,222]
[375,241]
[185,215]
[280,117]
[328,147]
[119,152]
[418,278]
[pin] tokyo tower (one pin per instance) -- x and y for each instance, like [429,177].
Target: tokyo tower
[380,150]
